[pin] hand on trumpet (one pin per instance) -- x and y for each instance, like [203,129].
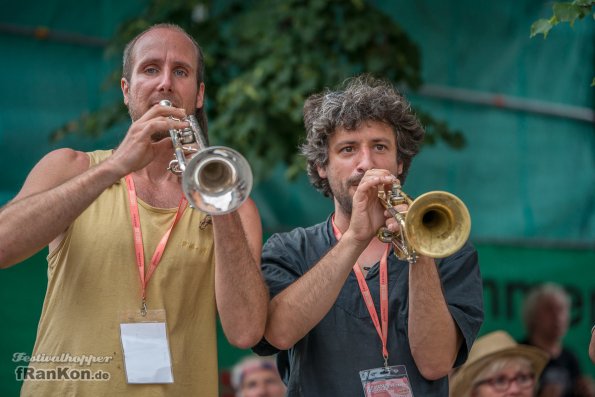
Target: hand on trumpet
[145,135]
[367,212]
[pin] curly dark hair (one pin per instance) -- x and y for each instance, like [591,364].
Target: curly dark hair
[363,98]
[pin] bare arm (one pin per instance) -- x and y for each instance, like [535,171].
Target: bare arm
[242,296]
[302,305]
[592,346]
[56,191]
[434,337]
[61,187]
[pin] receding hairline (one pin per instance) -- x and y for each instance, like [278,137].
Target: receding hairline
[168,28]
[130,50]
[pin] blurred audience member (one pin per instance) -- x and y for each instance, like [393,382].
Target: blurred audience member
[498,366]
[592,346]
[257,377]
[546,314]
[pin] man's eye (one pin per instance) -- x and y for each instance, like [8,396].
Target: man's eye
[181,73]
[347,149]
[151,70]
[380,147]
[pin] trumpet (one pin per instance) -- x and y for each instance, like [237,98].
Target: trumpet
[217,179]
[436,224]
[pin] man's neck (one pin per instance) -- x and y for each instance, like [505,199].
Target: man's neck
[156,171]
[341,219]
[155,184]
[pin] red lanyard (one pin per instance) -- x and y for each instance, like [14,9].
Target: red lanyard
[363,286]
[138,240]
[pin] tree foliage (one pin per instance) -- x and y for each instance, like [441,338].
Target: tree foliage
[564,12]
[264,58]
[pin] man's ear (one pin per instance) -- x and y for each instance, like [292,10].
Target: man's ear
[400,168]
[321,171]
[125,89]
[200,96]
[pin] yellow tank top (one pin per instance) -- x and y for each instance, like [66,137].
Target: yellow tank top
[93,276]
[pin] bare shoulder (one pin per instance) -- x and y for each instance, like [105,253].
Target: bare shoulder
[54,169]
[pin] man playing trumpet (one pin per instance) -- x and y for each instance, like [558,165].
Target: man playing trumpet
[349,318]
[134,275]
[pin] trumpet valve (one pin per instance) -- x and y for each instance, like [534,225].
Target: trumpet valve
[186,136]
[174,167]
[385,235]
[189,149]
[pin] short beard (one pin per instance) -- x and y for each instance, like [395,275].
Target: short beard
[344,199]
[133,111]
[346,203]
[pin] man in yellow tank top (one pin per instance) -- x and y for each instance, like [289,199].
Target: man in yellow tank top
[135,280]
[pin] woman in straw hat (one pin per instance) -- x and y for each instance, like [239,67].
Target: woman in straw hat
[498,366]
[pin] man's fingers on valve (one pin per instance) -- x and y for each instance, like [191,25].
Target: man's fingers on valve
[159,127]
[373,179]
[391,222]
[158,110]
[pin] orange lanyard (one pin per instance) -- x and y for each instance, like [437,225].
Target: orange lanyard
[381,328]
[138,240]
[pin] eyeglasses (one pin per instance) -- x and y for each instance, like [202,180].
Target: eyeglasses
[502,383]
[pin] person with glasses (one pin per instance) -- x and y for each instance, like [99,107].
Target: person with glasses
[498,366]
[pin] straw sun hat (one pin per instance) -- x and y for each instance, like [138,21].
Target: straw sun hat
[491,347]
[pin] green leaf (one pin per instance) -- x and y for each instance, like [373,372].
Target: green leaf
[541,26]
[567,12]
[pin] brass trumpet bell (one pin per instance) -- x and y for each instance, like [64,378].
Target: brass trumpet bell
[436,224]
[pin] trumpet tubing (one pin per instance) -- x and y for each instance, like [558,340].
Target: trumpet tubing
[217,179]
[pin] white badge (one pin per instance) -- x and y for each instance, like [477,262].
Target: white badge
[146,349]
[386,382]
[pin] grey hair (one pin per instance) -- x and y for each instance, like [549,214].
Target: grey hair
[536,296]
[363,98]
[128,61]
[496,366]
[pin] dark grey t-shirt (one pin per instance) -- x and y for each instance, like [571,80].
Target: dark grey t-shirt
[327,361]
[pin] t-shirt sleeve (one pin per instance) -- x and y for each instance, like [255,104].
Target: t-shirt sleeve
[463,290]
[280,264]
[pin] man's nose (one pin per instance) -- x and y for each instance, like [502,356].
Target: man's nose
[165,82]
[365,161]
